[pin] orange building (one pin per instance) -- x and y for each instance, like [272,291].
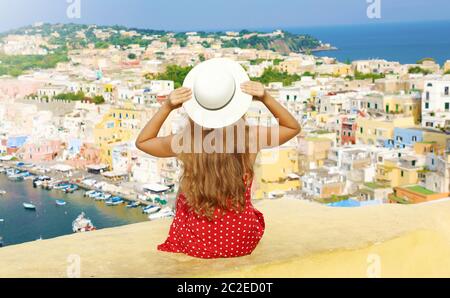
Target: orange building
[414,194]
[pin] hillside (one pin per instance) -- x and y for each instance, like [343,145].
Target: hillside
[301,240]
[79,36]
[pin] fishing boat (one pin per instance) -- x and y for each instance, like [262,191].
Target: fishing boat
[61,185]
[133,204]
[39,180]
[102,197]
[151,209]
[29,206]
[16,177]
[60,202]
[71,188]
[82,224]
[166,212]
[95,194]
[89,192]
[114,201]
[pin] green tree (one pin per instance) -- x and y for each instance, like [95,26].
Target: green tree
[418,69]
[173,73]
[98,99]
[272,75]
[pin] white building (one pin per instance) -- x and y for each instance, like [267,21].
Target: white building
[436,103]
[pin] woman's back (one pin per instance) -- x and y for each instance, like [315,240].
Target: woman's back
[230,233]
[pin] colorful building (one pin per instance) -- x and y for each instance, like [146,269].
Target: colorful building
[407,137]
[413,194]
[399,171]
[380,131]
[43,150]
[276,172]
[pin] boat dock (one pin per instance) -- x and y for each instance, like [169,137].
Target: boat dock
[76,181]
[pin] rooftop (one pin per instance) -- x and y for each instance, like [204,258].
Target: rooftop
[302,239]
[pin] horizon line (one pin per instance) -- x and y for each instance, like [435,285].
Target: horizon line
[215,30]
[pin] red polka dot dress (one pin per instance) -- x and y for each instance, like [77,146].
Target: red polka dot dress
[233,234]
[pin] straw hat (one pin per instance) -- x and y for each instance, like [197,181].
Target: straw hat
[217,100]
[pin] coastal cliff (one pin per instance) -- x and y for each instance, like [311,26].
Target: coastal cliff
[302,239]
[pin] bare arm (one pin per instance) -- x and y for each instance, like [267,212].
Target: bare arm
[288,126]
[148,140]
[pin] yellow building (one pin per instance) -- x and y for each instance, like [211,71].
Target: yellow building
[373,131]
[440,139]
[406,105]
[276,172]
[447,66]
[343,70]
[393,174]
[120,124]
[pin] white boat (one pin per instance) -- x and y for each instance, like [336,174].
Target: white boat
[89,192]
[29,206]
[151,209]
[60,202]
[82,224]
[2,192]
[114,201]
[16,177]
[102,197]
[166,212]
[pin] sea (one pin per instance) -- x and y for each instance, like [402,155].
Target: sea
[18,225]
[403,42]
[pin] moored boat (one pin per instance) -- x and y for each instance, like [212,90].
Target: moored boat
[2,192]
[29,206]
[16,177]
[133,204]
[114,201]
[151,209]
[82,224]
[60,202]
[166,212]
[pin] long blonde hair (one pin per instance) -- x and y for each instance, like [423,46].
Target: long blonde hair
[214,181]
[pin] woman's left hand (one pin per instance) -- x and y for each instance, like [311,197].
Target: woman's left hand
[255,89]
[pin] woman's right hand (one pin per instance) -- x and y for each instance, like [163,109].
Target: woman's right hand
[177,97]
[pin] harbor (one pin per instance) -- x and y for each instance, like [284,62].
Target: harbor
[37,204]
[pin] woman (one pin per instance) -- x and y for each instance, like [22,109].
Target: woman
[214,214]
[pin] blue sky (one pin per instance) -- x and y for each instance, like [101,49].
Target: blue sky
[219,14]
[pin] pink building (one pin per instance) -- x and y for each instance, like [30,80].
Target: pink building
[89,154]
[45,150]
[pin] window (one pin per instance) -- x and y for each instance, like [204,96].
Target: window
[428,95]
[447,106]
[402,173]
[446,90]
[361,130]
[414,138]
[427,105]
